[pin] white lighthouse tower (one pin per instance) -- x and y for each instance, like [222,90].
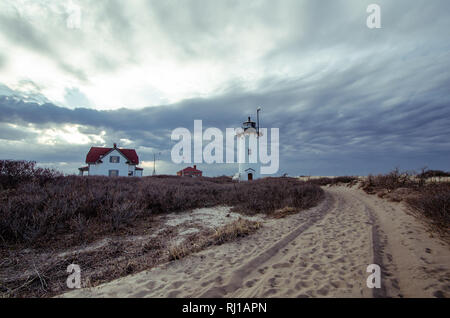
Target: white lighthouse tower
[248,152]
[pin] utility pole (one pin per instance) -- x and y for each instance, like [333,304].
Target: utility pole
[154,163]
[257,121]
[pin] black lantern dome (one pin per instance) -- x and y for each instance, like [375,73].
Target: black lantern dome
[248,124]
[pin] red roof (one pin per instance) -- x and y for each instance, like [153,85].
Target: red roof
[190,169]
[96,152]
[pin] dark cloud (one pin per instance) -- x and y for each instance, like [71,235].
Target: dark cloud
[354,120]
[10,133]
[21,31]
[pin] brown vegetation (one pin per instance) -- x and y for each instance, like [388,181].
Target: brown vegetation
[429,198]
[433,202]
[70,209]
[47,221]
[324,181]
[227,233]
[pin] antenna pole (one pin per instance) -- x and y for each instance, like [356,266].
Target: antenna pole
[154,164]
[257,120]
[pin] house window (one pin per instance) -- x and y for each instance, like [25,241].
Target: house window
[114,159]
[113,173]
[130,173]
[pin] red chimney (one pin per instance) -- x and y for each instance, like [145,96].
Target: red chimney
[195,166]
[115,145]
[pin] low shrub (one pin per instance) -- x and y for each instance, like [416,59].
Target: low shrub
[433,174]
[430,199]
[14,172]
[391,181]
[333,181]
[433,202]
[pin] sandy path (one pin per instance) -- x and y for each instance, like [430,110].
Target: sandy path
[321,252]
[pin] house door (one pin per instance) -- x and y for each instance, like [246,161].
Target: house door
[250,176]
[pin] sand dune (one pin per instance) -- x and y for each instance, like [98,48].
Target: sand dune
[321,252]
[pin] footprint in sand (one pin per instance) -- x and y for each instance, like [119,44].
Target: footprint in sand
[323,291]
[335,284]
[302,284]
[273,282]
[150,285]
[262,270]
[176,284]
[172,294]
[251,283]
[270,292]
[281,265]
[316,266]
[439,294]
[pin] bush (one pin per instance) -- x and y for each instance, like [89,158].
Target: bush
[430,199]
[391,181]
[433,174]
[433,201]
[13,173]
[333,181]
[269,194]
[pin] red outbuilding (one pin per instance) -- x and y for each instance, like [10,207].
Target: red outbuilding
[190,172]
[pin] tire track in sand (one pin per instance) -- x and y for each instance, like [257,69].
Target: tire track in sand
[377,246]
[414,262]
[320,252]
[237,279]
[329,259]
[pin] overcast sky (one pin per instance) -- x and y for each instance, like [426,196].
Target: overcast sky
[347,99]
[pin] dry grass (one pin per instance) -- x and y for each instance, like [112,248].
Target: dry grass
[234,230]
[433,202]
[227,233]
[284,212]
[429,199]
[327,181]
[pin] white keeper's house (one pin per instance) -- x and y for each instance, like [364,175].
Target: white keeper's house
[111,162]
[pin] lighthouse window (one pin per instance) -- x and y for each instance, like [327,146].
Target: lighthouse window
[114,159]
[113,173]
[249,151]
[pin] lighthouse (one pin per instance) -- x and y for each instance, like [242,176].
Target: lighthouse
[248,152]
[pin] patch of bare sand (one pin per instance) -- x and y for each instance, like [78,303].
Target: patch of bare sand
[417,262]
[320,252]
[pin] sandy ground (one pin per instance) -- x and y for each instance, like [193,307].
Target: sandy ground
[321,252]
